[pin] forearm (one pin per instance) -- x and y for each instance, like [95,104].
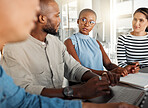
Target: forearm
[49,92]
[87,76]
[92,105]
[98,72]
[111,67]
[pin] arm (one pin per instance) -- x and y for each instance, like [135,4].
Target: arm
[121,56]
[14,96]
[106,61]
[121,52]
[71,50]
[108,105]
[109,65]
[112,77]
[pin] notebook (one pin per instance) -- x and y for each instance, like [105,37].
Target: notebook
[138,80]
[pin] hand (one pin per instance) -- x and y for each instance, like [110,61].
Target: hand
[93,88]
[124,105]
[121,71]
[113,78]
[133,68]
[108,105]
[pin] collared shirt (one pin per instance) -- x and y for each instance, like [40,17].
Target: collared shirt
[35,65]
[12,96]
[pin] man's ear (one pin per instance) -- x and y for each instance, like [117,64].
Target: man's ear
[78,21]
[42,19]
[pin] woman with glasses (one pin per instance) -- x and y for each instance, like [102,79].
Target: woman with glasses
[88,51]
[133,46]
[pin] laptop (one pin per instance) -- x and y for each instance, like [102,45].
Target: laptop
[144,70]
[125,94]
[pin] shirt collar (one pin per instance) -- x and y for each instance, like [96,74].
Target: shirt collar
[42,44]
[82,36]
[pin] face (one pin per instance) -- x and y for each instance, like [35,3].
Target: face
[86,22]
[53,19]
[140,23]
[17,18]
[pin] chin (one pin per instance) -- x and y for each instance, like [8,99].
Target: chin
[137,31]
[85,33]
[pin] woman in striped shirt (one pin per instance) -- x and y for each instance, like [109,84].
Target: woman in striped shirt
[133,47]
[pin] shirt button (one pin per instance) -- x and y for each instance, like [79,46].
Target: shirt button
[51,66]
[54,79]
[43,43]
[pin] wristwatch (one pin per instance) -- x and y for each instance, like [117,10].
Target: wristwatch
[68,92]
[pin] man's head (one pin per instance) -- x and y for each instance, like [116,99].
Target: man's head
[86,21]
[49,18]
[17,19]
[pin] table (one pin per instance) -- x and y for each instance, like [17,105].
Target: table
[105,99]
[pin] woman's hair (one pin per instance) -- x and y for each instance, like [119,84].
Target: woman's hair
[143,11]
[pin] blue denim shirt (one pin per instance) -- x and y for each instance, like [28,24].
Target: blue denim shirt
[12,96]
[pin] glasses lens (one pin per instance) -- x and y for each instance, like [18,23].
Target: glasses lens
[92,22]
[83,20]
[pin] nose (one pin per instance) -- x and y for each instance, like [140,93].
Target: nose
[86,24]
[137,23]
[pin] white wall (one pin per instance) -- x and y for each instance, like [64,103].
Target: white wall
[102,8]
[82,4]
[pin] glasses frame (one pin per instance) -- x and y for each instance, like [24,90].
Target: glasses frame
[85,22]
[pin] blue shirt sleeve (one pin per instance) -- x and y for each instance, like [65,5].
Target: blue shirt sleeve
[12,96]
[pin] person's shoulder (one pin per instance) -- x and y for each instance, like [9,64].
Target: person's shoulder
[73,37]
[15,46]
[68,42]
[124,36]
[54,40]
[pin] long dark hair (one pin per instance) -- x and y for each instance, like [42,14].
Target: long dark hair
[143,11]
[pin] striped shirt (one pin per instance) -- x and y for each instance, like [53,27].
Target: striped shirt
[132,49]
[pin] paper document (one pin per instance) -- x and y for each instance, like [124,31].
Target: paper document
[139,80]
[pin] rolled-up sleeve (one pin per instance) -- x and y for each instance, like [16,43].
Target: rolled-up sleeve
[12,96]
[73,69]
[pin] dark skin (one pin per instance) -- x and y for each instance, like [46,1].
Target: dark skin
[7,32]
[96,87]
[14,34]
[85,29]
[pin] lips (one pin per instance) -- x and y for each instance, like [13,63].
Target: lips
[85,29]
[137,27]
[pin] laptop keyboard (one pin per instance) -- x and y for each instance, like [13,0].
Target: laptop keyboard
[128,95]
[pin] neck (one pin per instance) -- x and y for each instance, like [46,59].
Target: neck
[143,33]
[2,43]
[83,33]
[39,34]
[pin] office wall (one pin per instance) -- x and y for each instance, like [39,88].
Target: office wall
[102,8]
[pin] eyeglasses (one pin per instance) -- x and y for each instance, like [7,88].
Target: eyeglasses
[84,21]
